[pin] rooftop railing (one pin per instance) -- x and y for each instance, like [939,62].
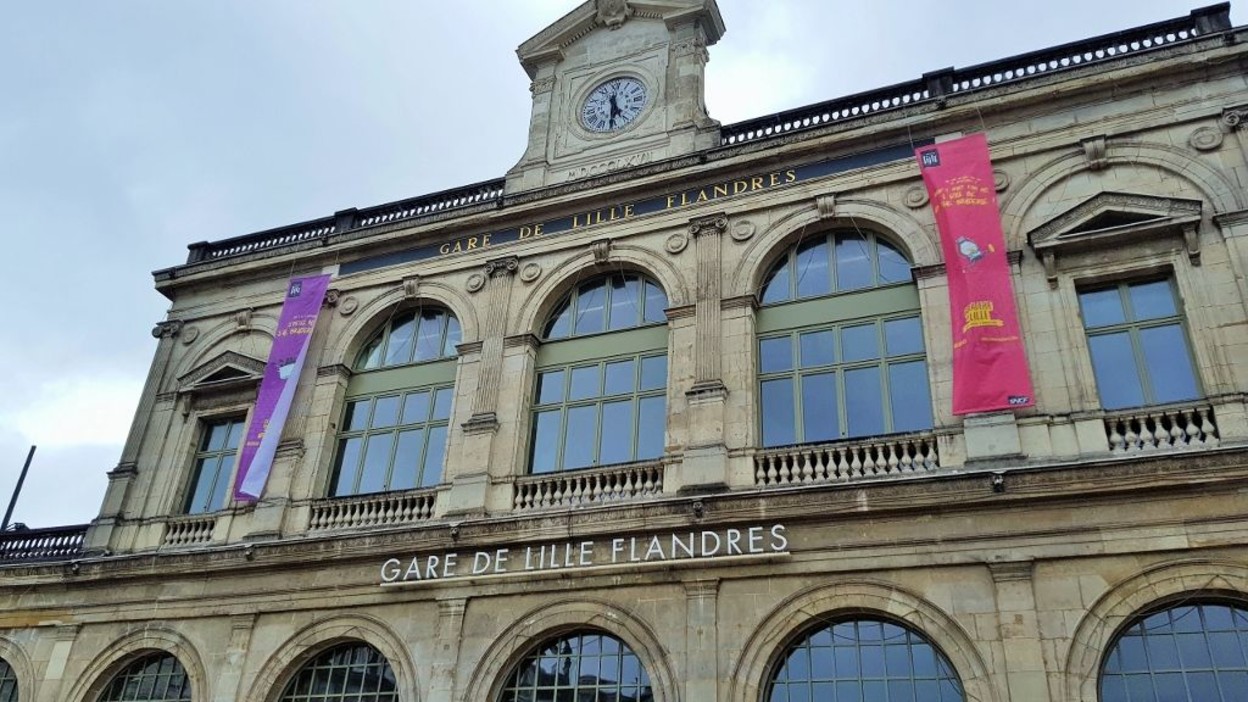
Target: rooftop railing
[931,88]
[61,543]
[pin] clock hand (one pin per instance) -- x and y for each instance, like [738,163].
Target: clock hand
[615,110]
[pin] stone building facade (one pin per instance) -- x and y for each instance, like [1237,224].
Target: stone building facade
[665,413]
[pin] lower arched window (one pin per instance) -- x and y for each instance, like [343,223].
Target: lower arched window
[1188,653]
[8,682]
[863,660]
[351,671]
[155,677]
[586,665]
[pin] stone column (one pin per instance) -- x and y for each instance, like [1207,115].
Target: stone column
[99,536]
[442,680]
[62,643]
[227,681]
[701,640]
[1025,674]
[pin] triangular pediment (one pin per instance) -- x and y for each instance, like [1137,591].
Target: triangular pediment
[228,368]
[1113,218]
[590,15]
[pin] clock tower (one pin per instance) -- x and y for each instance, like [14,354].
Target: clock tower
[617,84]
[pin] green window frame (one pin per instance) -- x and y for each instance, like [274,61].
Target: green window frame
[588,664]
[351,671]
[214,465]
[835,261]
[155,677]
[600,394]
[8,683]
[396,419]
[1138,343]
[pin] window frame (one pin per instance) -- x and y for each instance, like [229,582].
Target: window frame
[1132,326]
[511,685]
[203,432]
[114,685]
[323,660]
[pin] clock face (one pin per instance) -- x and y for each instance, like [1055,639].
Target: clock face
[613,105]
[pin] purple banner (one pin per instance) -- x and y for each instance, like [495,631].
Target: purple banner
[277,389]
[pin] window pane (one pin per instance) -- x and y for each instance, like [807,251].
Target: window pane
[429,336]
[656,303]
[777,286]
[625,303]
[1117,378]
[778,421]
[902,336]
[376,463]
[206,471]
[348,465]
[591,308]
[818,348]
[860,342]
[385,411]
[853,262]
[550,386]
[235,434]
[819,405]
[579,438]
[775,354]
[812,268]
[370,356]
[442,403]
[621,377]
[399,348]
[910,396]
[1101,308]
[617,437]
[357,415]
[864,402]
[221,481]
[546,441]
[1168,363]
[453,334]
[215,435]
[1151,300]
[434,454]
[416,407]
[407,460]
[894,268]
[584,383]
[651,427]
[653,372]
[560,323]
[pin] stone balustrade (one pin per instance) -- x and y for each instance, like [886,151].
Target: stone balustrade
[189,530]
[881,457]
[1156,428]
[376,510]
[585,487]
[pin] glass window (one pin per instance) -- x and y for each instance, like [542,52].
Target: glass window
[844,381]
[587,665]
[1139,349]
[832,262]
[414,336]
[863,660]
[351,671]
[610,411]
[155,677]
[8,682]
[608,303]
[384,448]
[214,465]
[1192,652]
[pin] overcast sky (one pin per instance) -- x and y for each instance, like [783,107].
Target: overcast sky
[131,128]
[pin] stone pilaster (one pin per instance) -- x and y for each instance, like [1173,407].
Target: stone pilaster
[498,276]
[707,234]
[702,640]
[1025,674]
[226,684]
[57,655]
[442,683]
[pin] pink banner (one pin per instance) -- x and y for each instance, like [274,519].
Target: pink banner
[277,389]
[989,361]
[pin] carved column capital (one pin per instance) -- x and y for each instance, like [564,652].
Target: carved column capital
[826,204]
[542,85]
[710,225]
[411,287]
[167,329]
[1234,118]
[507,265]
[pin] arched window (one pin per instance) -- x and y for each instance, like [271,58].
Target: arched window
[393,431]
[155,677]
[351,671]
[840,343]
[585,665]
[602,377]
[8,682]
[1188,653]
[863,660]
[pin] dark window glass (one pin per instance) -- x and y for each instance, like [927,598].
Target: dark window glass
[392,442]
[1140,354]
[609,303]
[834,262]
[863,661]
[214,466]
[414,336]
[351,671]
[156,677]
[587,665]
[1188,653]
[8,683]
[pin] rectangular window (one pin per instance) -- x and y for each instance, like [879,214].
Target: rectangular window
[214,464]
[394,441]
[1139,349]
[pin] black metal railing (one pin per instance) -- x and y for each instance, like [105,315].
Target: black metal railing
[932,87]
[940,84]
[61,543]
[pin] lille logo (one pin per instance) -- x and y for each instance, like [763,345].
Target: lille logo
[930,158]
[295,288]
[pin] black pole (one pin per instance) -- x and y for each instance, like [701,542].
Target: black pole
[8,514]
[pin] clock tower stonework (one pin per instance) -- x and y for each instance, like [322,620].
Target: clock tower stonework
[594,67]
